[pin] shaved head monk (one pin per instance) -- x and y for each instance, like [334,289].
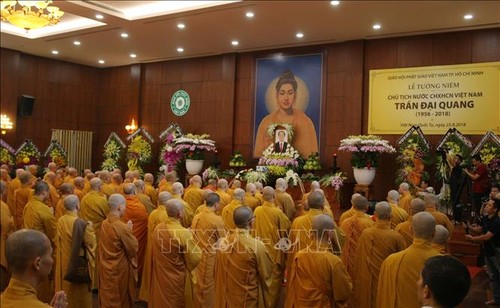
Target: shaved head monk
[117,249]
[417,205]
[227,212]
[318,278]
[400,271]
[243,267]
[29,258]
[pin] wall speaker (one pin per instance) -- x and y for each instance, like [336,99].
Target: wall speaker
[25,105]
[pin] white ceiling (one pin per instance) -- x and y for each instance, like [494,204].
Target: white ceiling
[210,27]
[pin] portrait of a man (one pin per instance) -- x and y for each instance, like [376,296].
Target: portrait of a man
[288,91]
[281,144]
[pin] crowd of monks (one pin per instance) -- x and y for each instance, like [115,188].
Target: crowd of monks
[219,245]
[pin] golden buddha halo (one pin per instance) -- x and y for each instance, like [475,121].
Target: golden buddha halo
[301,102]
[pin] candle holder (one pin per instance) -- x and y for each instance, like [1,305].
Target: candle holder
[334,166]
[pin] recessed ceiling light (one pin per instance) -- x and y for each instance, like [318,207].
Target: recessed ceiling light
[124,35]
[334,3]
[99,16]
[180,49]
[468,16]
[181,26]
[235,43]
[77,43]
[299,35]
[101,61]
[133,55]
[377,26]
[249,14]
[55,52]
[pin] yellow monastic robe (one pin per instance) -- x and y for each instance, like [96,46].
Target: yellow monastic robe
[441,219]
[175,255]
[399,275]
[442,249]
[38,216]
[252,201]
[146,201]
[187,219]
[78,294]
[151,192]
[272,225]
[58,182]
[227,214]
[12,186]
[225,199]
[200,209]
[318,279]
[243,272]
[285,202]
[374,246]
[6,222]
[107,189]
[405,230]
[53,196]
[259,196]
[86,186]
[117,266]
[350,212]
[398,215]
[194,198]
[79,193]
[165,186]
[208,229]
[136,212]
[156,217]
[70,179]
[59,210]
[21,197]
[94,208]
[20,294]
[405,201]
[353,227]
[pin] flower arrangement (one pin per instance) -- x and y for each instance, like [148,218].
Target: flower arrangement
[489,152]
[335,180]
[365,149]
[27,154]
[312,162]
[494,170]
[113,148]
[251,176]
[292,178]
[194,146]
[169,158]
[309,177]
[237,160]
[6,154]
[56,153]
[138,153]
[279,163]
[210,173]
[414,156]
[453,143]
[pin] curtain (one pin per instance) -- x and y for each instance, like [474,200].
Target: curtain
[78,145]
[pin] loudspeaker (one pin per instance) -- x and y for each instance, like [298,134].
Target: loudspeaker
[25,105]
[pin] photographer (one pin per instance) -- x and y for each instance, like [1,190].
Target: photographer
[479,176]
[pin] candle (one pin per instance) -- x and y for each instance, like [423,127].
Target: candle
[334,162]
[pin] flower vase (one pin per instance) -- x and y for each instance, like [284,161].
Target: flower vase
[194,166]
[364,176]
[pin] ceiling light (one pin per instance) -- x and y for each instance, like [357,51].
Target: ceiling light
[299,35]
[377,26]
[181,26]
[334,3]
[99,16]
[249,14]
[468,16]
[101,61]
[30,14]
[55,52]
[77,43]
[133,55]
[124,35]
[180,49]
[235,43]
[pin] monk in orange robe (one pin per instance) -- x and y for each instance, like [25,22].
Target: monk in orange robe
[175,255]
[401,271]
[143,198]
[72,174]
[440,240]
[243,266]
[188,214]
[283,200]
[136,212]
[431,202]
[6,222]
[117,249]
[94,207]
[106,188]
[66,189]
[272,225]
[398,215]
[406,197]
[227,212]
[22,196]
[29,256]
[250,199]
[353,227]
[374,246]
[167,181]
[49,178]
[208,231]
[156,217]
[117,183]
[225,198]
[194,195]
[350,212]
[12,186]
[149,188]
[318,278]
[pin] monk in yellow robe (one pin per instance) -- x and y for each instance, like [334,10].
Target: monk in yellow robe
[6,222]
[374,246]
[117,183]
[59,178]
[440,240]
[175,256]
[143,198]
[94,207]
[431,202]
[194,195]
[167,181]
[22,196]
[350,212]
[156,217]
[318,278]
[227,212]
[353,227]
[49,178]
[401,271]
[272,225]
[106,188]
[208,231]
[12,186]
[417,205]
[79,186]
[73,230]
[250,199]
[258,191]
[243,266]
[38,216]
[72,174]
[225,198]
[406,196]
[149,188]
[283,200]
[66,189]
[33,170]
[117,250]
[136,212]
[235,184]
[29,256]
[398,215]
[188,213]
